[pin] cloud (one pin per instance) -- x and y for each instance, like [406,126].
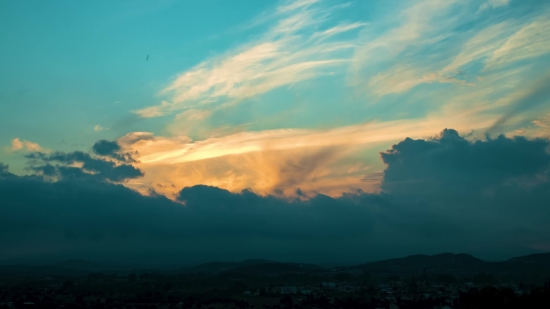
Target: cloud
[436,58]
[293,5]
[98,128]
[439,194]
[538,95]
[449,163]
[3,169]
[111,149]
[187,121]
[493,4]
[106,148]
[418,46]
[292,50]
[482,44]
[107,221]
[402,79]
[193,114]
[339,29]
[23,145]
[324,161]
[530,41]
[79,164]
[404,36]
[503,181]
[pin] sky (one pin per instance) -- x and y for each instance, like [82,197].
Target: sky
[305,130]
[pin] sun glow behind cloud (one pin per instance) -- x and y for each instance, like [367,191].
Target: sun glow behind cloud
[323,161]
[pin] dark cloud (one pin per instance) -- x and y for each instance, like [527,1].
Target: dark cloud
[3,168]
[488,198]
[111,149]
[86,214]
[272,217]
[92,167]
[488,189]
[106,148]
[450,161]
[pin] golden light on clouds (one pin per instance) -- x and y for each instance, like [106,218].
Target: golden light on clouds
[278,161]
[18,144]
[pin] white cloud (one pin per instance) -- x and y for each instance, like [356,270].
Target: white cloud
[379,59]
[505,43]
[23,145]
[194,114]
[339,29]
[418,46]
[188,121]
[482,44]
[401,79]
[493,4]
[293,5]
[98,128]
[531,41]
[294,49]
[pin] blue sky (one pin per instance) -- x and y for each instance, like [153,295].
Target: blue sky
[230,93]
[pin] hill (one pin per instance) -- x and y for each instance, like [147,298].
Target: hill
[533,263]
[274,268]
[218,267]
[79,265]
[459,264]
[445,262]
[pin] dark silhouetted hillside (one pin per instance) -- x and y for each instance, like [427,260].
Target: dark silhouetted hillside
[533,263]
[460,263]
[218,267]
[273,269]
[445,262]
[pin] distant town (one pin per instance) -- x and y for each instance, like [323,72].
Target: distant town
[453,281]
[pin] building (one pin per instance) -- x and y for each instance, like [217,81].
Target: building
[305,291]
[329,285]
[288,290]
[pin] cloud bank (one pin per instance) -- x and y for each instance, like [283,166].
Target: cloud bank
[446,193]
[322,161]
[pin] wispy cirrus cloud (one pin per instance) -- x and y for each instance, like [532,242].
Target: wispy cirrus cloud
[493,4]
[530,41]
[419,46]
[409,48]
[301,43]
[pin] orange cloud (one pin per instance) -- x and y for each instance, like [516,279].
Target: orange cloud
[280,161]
[17,144]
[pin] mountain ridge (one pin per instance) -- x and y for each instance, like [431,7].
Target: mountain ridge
[437,263]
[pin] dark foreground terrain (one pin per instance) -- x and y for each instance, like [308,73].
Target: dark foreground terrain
[420,281]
